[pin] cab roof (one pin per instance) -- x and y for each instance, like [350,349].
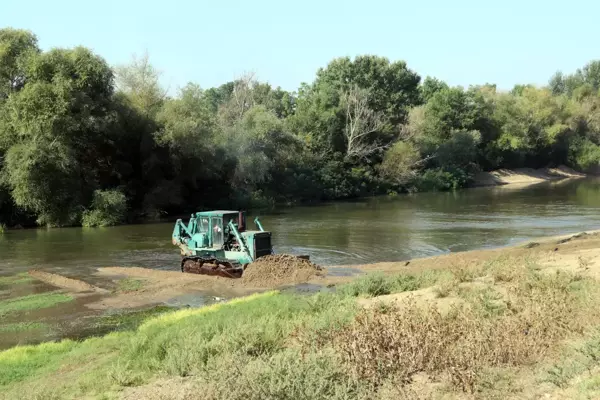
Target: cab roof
[216,213]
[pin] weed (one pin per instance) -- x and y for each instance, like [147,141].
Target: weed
[560,374]
[485,301]
[22,327]
[405,283]
[446,288]
[121,374]
[463,274]
[33,302]
[371,285]
[16,279]
[129,285]
[584,263]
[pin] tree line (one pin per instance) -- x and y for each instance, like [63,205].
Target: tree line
[83,143]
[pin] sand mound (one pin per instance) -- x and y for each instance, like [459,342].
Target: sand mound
[280,269]
[63,282]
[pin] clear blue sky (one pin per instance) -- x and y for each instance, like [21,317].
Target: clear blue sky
[210,42]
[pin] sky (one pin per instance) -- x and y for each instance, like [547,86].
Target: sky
[462,42]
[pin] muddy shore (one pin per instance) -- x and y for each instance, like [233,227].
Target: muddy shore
[158,286]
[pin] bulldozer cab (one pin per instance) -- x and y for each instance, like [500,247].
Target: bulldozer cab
[215,224]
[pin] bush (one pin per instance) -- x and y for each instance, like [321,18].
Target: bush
[108,208]
[440,179]
[584,154]
[372,285]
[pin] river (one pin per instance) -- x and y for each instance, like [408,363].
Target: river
[340,233]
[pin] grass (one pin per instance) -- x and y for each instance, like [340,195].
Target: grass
[129,285]
[16,279]
[32,302]
[22,327]
[285,346]
[378,284]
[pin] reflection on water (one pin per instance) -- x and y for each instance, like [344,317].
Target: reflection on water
[377,229]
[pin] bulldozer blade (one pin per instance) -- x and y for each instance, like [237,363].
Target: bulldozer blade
[211,267]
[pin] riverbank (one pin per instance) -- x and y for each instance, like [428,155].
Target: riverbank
[524,176]
[517,322]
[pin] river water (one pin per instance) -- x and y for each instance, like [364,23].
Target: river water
[341,233]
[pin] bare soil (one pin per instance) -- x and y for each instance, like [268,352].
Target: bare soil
[280,269]
[73,285]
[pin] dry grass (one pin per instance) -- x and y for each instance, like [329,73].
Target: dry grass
[541,310]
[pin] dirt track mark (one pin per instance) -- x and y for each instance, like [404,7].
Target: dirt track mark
[73,285]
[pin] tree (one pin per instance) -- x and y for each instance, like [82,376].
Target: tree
[240,100]
[140,81]
[431,86]
[16,46]
[361,123]
[400,162]
[393,87]
[53,134]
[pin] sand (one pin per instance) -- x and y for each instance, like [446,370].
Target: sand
[72,285]
[524,176]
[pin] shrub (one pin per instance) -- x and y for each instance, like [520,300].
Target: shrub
[370,285]
[440,179]
[401,342]
[108,208]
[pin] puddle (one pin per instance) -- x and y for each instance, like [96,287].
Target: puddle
[193,300]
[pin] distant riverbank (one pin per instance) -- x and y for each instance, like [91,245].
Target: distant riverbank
[525,176]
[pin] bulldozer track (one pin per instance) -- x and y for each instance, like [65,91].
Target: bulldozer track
[211,266]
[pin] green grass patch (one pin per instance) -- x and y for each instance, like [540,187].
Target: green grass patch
[127,320]
[379,284]
[129,285]
[22,327]
[33,302]
[22,362]
[23,277]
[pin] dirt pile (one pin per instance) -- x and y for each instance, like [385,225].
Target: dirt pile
[280,269]
[74,285]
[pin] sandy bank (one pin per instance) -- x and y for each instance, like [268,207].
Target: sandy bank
[524,176]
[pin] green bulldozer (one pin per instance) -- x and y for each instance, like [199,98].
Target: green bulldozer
[220,243]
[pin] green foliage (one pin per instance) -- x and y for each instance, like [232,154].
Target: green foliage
[400,162]
[16,46]
[431,86]
[108,208]
[80,140]
[441,180]
[584,155]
